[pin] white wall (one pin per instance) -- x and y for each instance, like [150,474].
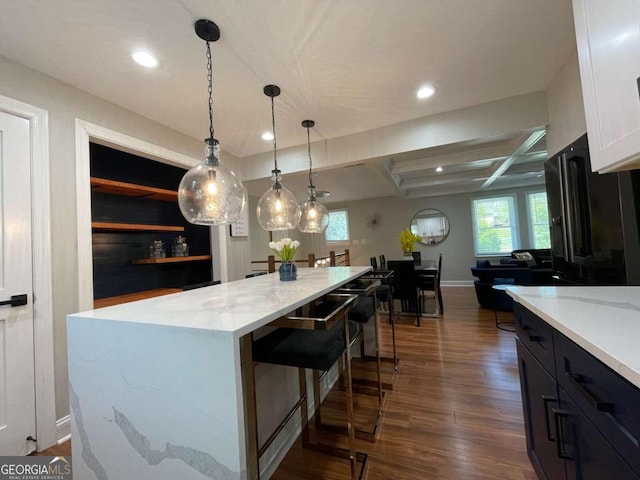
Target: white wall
[64,104]
[238,254]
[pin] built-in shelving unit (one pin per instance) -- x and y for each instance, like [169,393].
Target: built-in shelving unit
[134,203]
[132,297]
[120,227]
[192,258]
[103,185]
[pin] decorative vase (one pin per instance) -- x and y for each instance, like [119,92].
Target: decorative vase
[407,256]
[288,271]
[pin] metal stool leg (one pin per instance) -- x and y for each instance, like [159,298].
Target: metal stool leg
[350,429]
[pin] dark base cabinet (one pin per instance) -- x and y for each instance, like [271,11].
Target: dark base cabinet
[539,397]
[588,455]
[581,423]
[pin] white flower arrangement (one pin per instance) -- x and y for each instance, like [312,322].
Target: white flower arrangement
[285,248]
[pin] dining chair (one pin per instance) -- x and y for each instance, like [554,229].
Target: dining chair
[383,262]
[373,262]
[429,286]
[405,285]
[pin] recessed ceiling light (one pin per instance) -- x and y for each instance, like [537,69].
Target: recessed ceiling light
[426,91]
[439,169]
[267,136]
[144,58]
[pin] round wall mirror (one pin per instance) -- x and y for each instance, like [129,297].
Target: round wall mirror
[431,225]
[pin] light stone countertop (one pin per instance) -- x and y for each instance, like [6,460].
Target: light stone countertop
[605,321]
[236,307]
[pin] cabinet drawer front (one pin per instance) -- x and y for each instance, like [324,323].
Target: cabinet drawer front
[536,335]
[607,399]
[590,457]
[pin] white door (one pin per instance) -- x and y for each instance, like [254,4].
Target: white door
[17,374]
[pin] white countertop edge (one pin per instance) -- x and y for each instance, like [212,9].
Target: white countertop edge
[617,364]
[132,312]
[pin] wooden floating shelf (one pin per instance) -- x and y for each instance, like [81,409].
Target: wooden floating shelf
[193,258]
[132,297]
[135,227]
[103,185]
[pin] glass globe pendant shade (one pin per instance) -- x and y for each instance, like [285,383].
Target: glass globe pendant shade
[315,216]
[278,208]
[210,193]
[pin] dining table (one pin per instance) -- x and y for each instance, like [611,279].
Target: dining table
[427,267]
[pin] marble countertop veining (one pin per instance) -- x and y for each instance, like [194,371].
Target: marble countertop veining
[605,321]
[236,307]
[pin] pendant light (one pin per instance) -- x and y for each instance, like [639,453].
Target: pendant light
[314,217]
[210,193]
[277,208]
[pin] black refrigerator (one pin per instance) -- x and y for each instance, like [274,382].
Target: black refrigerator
[594,220]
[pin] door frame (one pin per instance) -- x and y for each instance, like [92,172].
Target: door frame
[87,132]
[42,268]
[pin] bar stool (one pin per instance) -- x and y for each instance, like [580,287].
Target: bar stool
[315,338]
[362,313]
[384,293]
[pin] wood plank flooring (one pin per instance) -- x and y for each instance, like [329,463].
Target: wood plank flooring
[455,412]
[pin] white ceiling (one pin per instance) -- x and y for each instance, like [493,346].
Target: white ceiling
[351,65]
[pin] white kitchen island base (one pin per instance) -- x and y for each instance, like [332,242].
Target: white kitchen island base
[156,386]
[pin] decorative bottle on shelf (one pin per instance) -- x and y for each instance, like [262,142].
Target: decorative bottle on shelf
[180,247]
[156,249]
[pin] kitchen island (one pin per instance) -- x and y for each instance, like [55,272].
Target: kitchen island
[159,388]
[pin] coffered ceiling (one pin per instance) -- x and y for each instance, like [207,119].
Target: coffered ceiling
[352,66]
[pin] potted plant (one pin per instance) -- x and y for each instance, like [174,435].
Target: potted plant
[407,241]
[286,250]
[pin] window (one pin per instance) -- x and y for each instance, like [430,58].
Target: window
[495,226]
[538,219]
[338,229]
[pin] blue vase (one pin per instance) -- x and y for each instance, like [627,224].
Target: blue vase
[288,271]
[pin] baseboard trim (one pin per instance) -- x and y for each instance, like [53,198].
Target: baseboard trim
[63,429]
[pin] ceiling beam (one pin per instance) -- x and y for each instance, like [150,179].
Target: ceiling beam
[440,179]
[524,147]
[428,163]
[472,186]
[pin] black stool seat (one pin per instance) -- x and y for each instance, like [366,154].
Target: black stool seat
[314,349]
[364,310]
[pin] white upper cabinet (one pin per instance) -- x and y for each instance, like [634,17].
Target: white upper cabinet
[608,39]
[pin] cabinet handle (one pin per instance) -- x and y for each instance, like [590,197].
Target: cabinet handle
[532,337]
[545,401]
[578,383]
[559,417]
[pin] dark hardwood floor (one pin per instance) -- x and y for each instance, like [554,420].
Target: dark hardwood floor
[455,412]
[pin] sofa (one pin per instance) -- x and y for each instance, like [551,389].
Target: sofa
[523,267]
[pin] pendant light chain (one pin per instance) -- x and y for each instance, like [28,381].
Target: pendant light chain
[273,124]
[210,80]
[210,193]
[309,151]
